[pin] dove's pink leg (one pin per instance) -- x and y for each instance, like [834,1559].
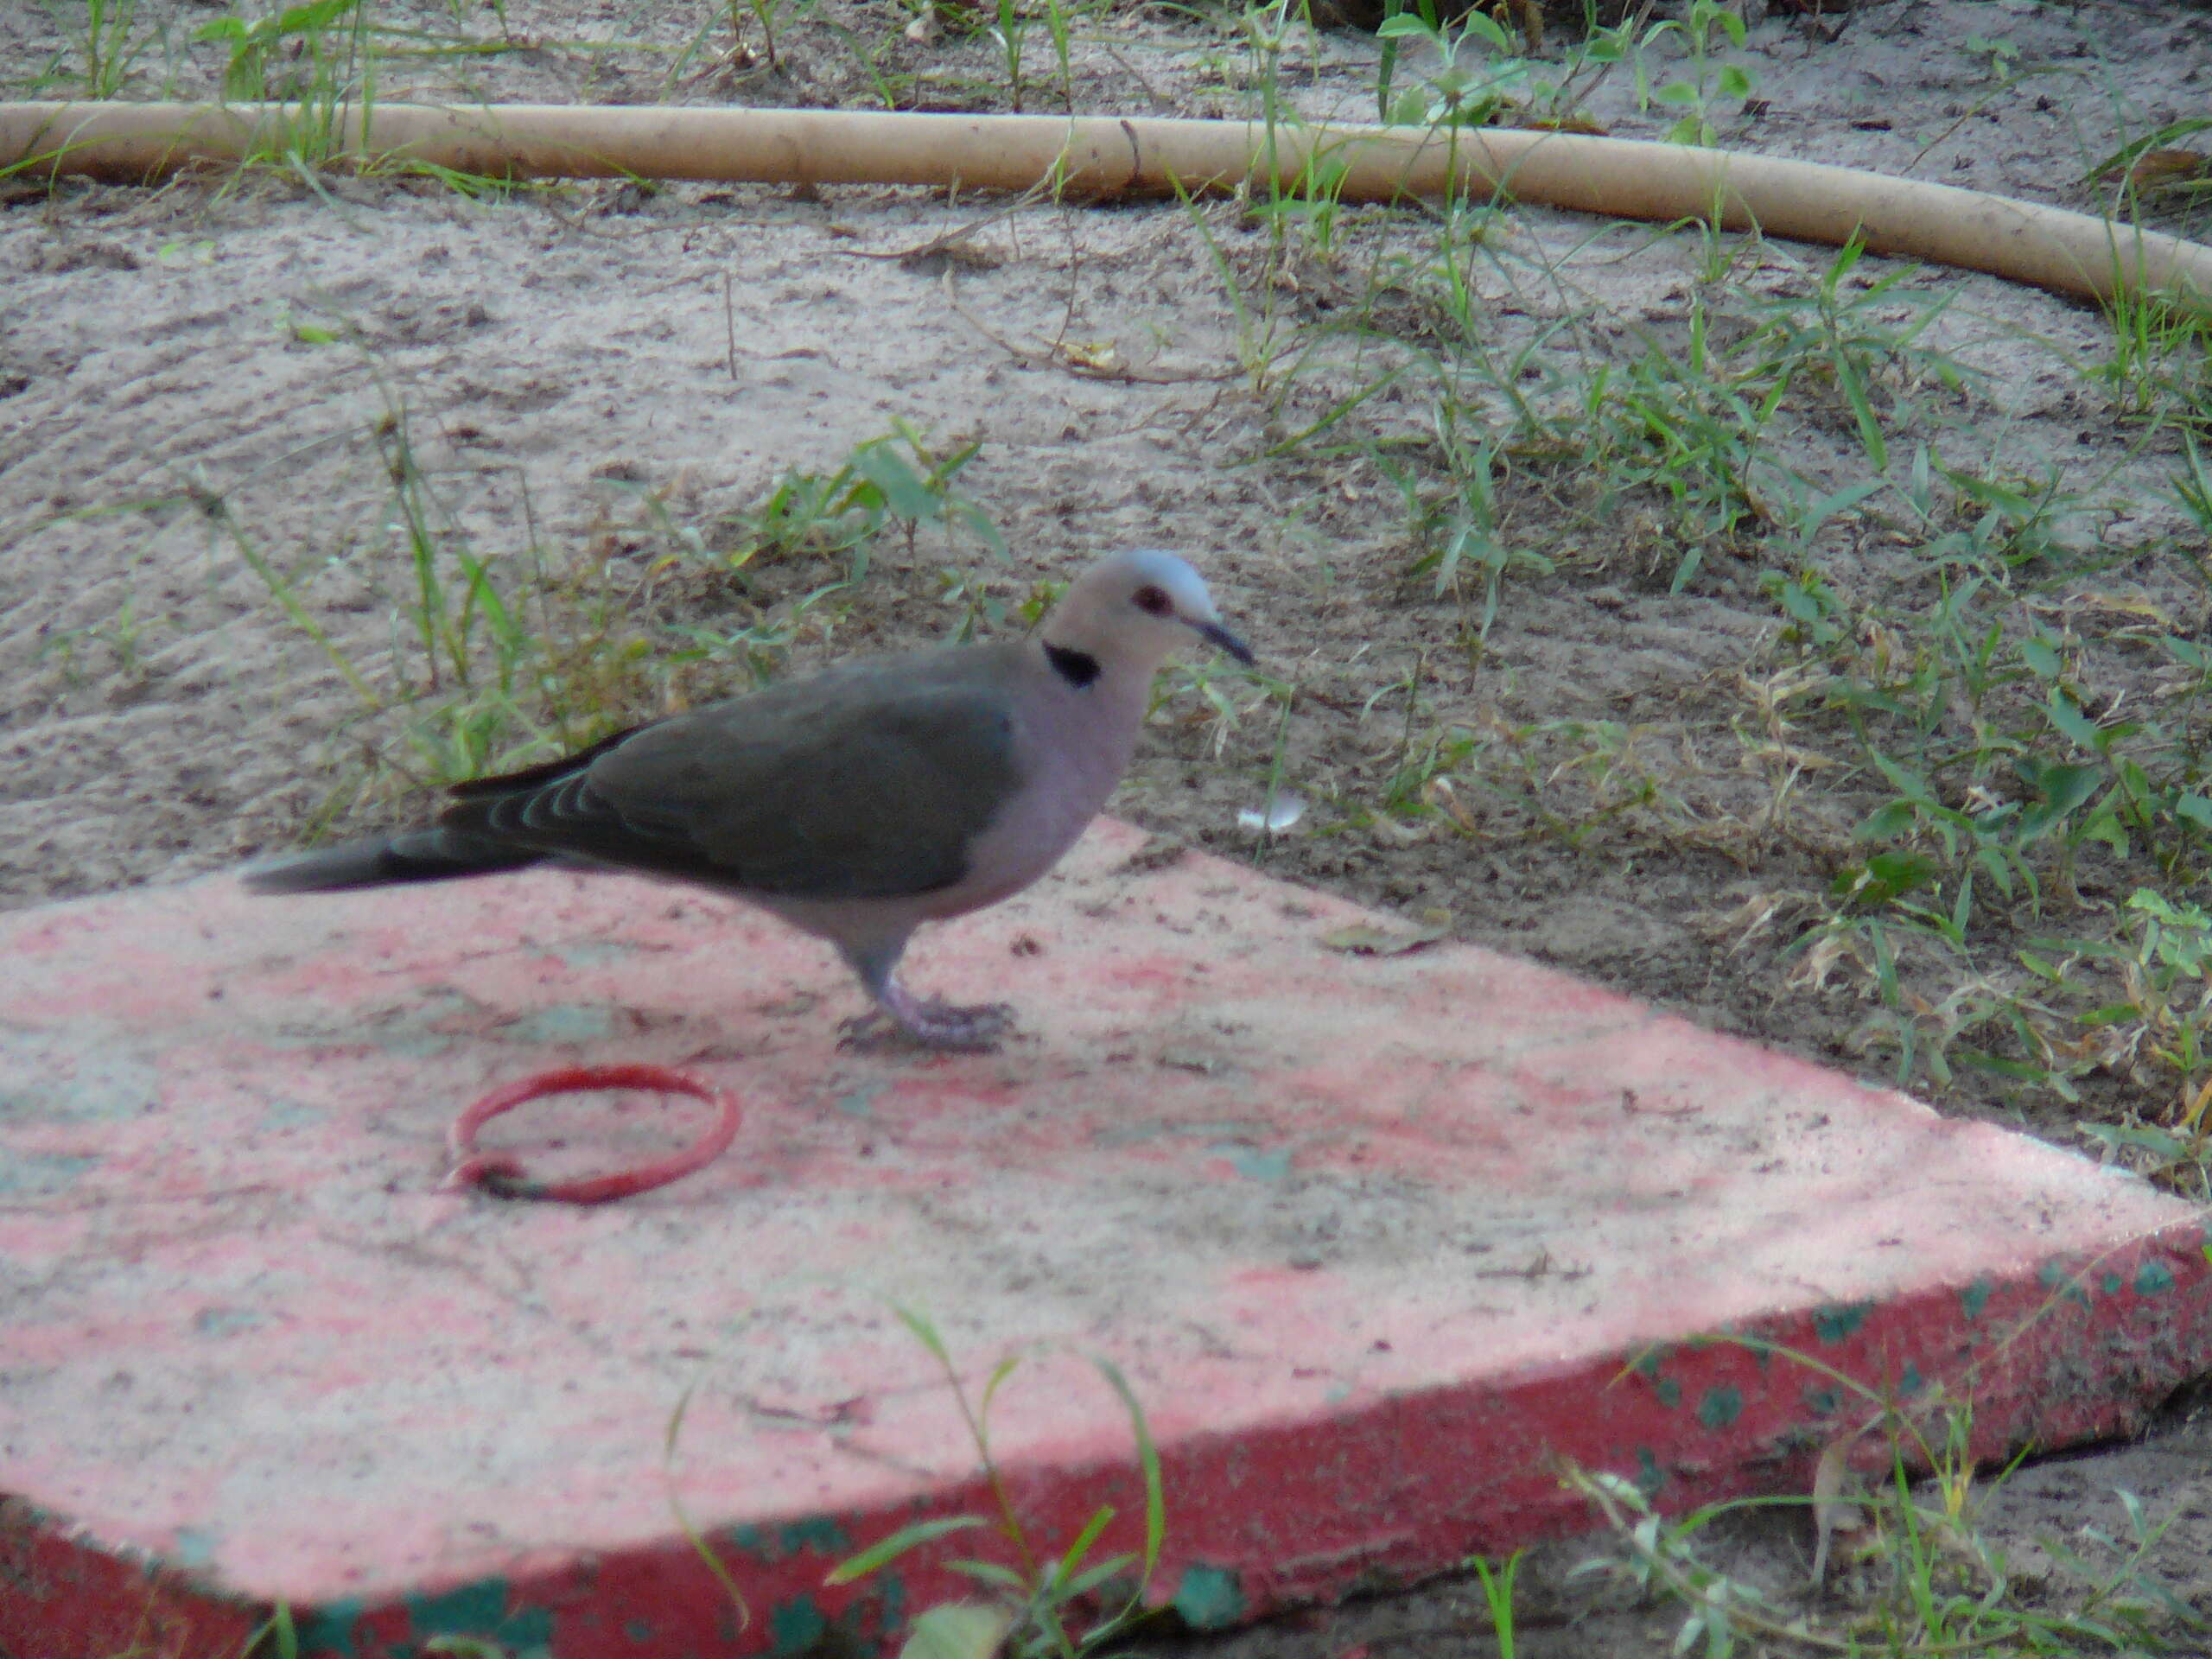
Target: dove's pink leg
[928,1021]
[942,1025]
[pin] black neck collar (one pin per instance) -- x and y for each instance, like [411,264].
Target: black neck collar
[1077,667]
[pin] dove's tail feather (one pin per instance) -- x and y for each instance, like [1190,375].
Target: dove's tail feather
[436,855]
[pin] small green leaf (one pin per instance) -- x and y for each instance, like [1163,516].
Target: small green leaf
[2187,651]
[1409,110]
[979,521]
[1900,873]
[1852,494]
[1492,36]
[1072,1558]
[1884,877]
[2159,1143]
[2070,722]
[1112,1567]
[2063,789]
[1802,606]
[889,1549]
[903,491]
[313,18]
[1886,823]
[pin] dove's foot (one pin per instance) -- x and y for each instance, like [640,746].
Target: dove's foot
[902,1016]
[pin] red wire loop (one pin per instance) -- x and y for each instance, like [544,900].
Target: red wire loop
[501,1175]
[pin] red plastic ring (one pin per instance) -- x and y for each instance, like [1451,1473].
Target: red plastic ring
[501,1175]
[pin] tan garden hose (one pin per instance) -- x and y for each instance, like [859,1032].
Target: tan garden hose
[2068,253]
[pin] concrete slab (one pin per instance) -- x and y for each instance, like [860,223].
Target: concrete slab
[1378,1242]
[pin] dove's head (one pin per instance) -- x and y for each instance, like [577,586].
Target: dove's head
[1130,611]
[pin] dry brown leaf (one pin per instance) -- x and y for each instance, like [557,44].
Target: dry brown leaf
[2124,605]
[1391,833]
[1438,793]
[1582,124]
[1748,921]
[1100,357]
[1530,16]
[1812,972]
[1365,939]
[1756,754]
[2162,169]
[2193,1107]
[1831,1512]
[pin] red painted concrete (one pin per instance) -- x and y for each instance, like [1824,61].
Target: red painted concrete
[1373,1239]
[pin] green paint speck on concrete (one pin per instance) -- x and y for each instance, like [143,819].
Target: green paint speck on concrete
[1650,1478]
[1253,1164]
[2110,1284]
[1834,1323]
[44,1172]
[291,1114]
[1721,1406]
[862,1101]
[891,1599]
[819,1534]
[1209,1599]
[1823,1402]
[796,1625]
[1975,1297]
[222,1321]
[2055,1277]
[593,954]
[481,1609]
[1670,1390]
[2153,1279]
[563,1023]
[473,1610]
[329,1628]
[639,1629]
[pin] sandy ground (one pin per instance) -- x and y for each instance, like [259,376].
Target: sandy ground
[604,381]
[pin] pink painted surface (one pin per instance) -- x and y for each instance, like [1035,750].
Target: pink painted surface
[1373,1240]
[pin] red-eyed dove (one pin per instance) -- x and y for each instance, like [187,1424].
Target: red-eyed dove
[856,805]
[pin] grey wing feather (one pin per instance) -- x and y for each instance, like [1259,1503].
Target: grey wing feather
[870,782]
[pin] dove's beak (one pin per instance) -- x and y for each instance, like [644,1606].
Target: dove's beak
[1214,634]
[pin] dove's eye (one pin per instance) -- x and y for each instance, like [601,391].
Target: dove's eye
[1154,601]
